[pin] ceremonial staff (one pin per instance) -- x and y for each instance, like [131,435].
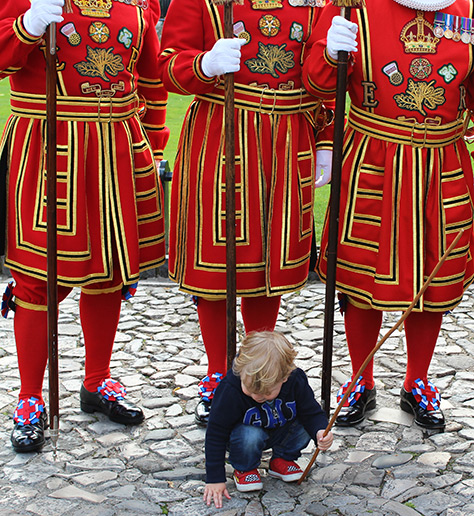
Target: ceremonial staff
[229,120]
[333,230]
[52,285]
[231,303]
[378,346]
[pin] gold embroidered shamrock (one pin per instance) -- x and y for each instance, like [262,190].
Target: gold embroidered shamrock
[270,59]
[420,95]
[99,62]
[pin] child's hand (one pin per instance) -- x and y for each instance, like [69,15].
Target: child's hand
[324,443]
[215,492]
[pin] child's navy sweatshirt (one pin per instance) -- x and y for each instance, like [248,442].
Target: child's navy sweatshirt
[231,407]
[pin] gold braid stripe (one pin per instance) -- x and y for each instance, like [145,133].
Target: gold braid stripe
[425,134]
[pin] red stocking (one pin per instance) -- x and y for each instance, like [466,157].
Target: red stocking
[99,319]
[260,313]
[31,331]
[212,320]
[362,332]
[31,336]
[421,331]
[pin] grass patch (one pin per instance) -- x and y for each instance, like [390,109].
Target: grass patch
[177,106]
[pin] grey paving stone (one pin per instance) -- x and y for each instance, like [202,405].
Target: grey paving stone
[106,469]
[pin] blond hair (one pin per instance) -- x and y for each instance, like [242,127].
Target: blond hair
[265,358]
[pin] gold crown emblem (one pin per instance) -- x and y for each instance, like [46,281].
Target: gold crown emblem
[266,4]
[418,36]
[94,8]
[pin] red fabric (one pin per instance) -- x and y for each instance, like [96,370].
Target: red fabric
[362,332]
[260,313]
[109,192]
[31,332]
[32,352]
[275,154]
[99,318]
[402,202]
[421,330]
[212,320]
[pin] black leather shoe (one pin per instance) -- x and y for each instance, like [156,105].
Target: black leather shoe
[350,416]
[29,438]
[430,419]
[201,412]
[120,411]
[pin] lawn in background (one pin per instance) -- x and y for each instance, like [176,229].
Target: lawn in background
[177,105]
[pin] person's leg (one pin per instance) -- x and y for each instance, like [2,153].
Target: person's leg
[418,396]
[246,445]
[260,313]
[362,325]
[421,331]
[31,338]
[212,321]
[100,306]
[287,443]
[100,313]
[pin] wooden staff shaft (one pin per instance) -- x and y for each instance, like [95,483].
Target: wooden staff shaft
[52,287]
[333,230]
[378,346]
[231,297]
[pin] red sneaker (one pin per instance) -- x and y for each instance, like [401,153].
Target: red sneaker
[286,470]
[247,480]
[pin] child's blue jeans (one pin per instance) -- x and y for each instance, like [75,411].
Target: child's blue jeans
[247,443]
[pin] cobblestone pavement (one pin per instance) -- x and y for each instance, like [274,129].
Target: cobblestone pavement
[386,466]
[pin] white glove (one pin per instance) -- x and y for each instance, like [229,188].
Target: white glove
[41,14]
[224,57]
[341,36]
[323,167]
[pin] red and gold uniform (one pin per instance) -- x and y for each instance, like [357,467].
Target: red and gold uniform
[275,158]
[109,198]
[407,182]
[275,148]
[109,193]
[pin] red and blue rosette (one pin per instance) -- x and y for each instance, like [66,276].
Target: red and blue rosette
[7,300]
[28,411]
[357,390]
[128,291]
[112,390]
[427,396]
[208,385]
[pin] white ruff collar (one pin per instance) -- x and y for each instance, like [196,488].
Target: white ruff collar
[426,5]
